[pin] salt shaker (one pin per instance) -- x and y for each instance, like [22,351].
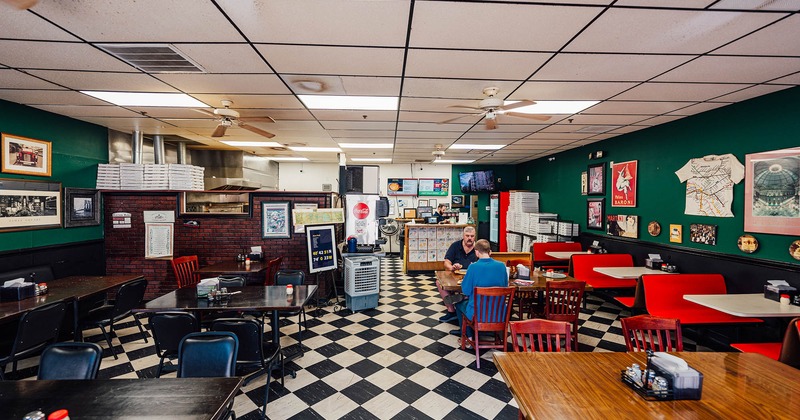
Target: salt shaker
[289,289]
[784,299]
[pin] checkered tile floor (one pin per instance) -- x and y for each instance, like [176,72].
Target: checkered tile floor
[392,362]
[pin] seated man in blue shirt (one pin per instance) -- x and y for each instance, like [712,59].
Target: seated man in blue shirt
[458,256]
[485,272]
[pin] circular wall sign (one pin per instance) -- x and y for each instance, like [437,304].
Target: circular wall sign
[654,228]
[747,243]
[794,249]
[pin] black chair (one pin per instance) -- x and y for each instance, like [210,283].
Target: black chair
[168,330]
[231,281]
[254,351]
[129,296]
[37,329]
[70,361]
[295,278]
[210,354]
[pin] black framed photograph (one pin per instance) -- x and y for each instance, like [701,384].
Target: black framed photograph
[700,233]
[321,248]
[81,207]
[597,179]
[595,213]
[27,205]
[276,222]
[458,201]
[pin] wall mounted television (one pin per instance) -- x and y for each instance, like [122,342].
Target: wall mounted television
[477,181]
[402,186]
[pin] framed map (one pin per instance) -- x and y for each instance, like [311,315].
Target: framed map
[772,192]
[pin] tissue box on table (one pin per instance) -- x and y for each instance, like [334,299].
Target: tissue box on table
[16,289]
[776,288]
[207,285]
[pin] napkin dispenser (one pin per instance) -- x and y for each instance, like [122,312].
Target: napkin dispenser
[776,288]
[686,383]
[653,262]
[207,285]
[17,289]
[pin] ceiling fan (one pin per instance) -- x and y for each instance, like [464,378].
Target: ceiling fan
[22,4]
[228,117]
[493,106]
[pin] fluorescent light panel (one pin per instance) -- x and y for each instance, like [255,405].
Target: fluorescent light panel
[366,145]
[553,107]
[477,146]
[454,161]
[287,158]
[371,159]
[316,149]
[181,100]
[252,143]
[366,103]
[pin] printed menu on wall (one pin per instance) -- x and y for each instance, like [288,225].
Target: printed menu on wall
[434,187]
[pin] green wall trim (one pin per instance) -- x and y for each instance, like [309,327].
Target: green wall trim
[765,123]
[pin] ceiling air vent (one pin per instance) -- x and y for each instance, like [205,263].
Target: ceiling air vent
[597,129]
[153,58]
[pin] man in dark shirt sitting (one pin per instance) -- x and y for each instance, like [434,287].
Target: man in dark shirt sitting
[459,256]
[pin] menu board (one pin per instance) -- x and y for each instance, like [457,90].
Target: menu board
[321,241]
[434,186]
[401,186]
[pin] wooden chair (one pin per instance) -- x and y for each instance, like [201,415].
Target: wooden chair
[563,303]
[541,335]
[526,300]
[645,332]
[492,313]
[273,266]
[184,269]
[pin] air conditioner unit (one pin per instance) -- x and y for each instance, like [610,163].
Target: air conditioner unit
[362,282]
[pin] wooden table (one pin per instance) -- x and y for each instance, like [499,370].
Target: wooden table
[236,268]
[588,386]
[627,272]
[451,281]
[180,399]
[748,305]
[72,289]
[562,255]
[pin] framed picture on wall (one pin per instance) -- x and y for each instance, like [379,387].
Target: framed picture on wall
[81,207]
[625,181]
[625,225]
[27,205]
[771,203]
[458,201]
[597,179]
[276,222]
[25,156]
[595,213]
[703,234]
[584,183]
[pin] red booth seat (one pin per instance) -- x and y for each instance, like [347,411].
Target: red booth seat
[664,298]
[541,259]
[787,351]
[771,350]
[583,269]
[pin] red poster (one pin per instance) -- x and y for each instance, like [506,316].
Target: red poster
[625,182]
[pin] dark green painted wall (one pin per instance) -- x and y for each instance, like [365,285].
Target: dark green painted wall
[77,149]
[765,123]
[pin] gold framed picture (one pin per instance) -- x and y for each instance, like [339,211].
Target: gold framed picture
[676,233]
[24,156]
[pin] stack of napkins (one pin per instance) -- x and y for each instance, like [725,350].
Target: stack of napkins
[207,285]
[683,377]
[523,272]
[20,282]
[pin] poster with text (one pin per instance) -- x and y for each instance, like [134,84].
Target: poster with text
[321,242]
[625,182]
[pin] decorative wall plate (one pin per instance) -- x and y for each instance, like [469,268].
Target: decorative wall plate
[654,228]
[794,249]
[747,243]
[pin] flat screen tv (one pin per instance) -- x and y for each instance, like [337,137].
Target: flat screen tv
[477,181]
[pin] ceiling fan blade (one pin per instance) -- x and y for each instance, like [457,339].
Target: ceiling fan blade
[520,104]
[219,131]
[456,118]
[256,130]
[528,116]
[465,107]
[205,111]
[257,119]
[22,4]
[491,124]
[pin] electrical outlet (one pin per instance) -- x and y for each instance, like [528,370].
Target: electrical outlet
[528,178]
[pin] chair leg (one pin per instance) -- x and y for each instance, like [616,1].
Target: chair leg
[108,340]
[160,367]
[477,347]
[141,328]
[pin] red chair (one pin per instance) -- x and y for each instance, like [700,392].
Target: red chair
[492,313]
[563,303]
[184,269]
[541,259]
[645,332]
[273,266]
[787,352]
[541,335]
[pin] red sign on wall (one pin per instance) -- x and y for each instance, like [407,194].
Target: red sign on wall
[625,182]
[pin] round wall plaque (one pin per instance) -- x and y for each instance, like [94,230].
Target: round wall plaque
[747,243]
[794,249]
[654,228]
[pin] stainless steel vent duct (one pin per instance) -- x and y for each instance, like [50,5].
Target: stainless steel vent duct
[137,144]
[158,149]
[182,152]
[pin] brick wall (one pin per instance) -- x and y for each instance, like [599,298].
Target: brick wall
[218,238]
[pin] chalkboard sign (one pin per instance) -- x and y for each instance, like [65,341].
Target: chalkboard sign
[321,241]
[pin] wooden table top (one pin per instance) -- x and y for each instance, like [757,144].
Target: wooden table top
[67,288]
[450,281]
[165,398]
[588,386]
[251,298]
[745,305]
[232,267]
[627,272]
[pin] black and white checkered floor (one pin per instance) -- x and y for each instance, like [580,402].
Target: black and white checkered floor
[392,362]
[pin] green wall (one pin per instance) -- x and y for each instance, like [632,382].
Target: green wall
[765,123]
[77,149]
[508,181]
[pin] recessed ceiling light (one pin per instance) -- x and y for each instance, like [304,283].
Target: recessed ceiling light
[316,149]
[454,161]
[367,103]
[366,145]
[253,143]
[286,158]
[553,107]
[477,146]
[147,99]
[371,159]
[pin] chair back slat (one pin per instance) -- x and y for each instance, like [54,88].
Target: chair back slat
[492,307]
[645,332]
[184,269]
[541,335]
[273,266]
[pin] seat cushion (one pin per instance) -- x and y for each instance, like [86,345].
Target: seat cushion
[626,301]
[611,283]
[771,350]
[702,315]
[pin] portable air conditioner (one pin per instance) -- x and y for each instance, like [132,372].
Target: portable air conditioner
[362,282]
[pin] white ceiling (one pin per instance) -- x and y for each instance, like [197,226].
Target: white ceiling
[647,63]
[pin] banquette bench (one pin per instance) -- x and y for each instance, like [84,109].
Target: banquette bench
[583,269]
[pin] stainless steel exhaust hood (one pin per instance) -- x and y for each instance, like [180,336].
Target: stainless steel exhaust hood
[235,170]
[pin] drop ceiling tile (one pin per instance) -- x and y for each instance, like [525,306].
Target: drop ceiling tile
[225,58]
[666,31]
[192,123]
[537,140]
[490,65]
[172,113]
[489,136]
[13,79]
[104,81]
[569,91]
[48,97]
[142,20]
[558,138]
[636,107]
[763,42]
[737,69]
[382,23]
[698,108]
[496,25]
[88,111]
[242,102]
[346,85]
[290,115]
[629,129]
[358,125]
[678,91]
[126,125]
[427,135]
[226,83]
[426,126]
[606,119]
[58,56]
[792,79]
[454,88]
[19,24]
[663,119]
[694,4]
[532,148]
[345,115]
[607,67]
[436,117]
[378,134]
[438,105]
[750,92]
[785,5]
[348,61]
